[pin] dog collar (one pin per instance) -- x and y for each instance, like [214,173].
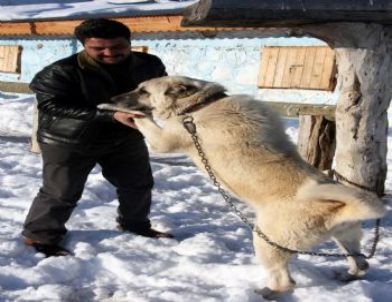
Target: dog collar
[201,103]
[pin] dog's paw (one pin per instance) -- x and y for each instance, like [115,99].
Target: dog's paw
[269,294]
[111,107]
[107,106]
[346,277]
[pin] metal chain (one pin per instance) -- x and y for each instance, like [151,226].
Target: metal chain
[190,126]
[340,177]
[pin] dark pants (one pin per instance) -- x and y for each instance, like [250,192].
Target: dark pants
[65,172]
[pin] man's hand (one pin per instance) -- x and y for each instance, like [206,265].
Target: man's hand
[127,118]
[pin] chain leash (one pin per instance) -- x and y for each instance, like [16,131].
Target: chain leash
[190,126]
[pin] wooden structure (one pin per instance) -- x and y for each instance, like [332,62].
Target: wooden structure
[360,32]
[9,58]
[65,27]
[297,67]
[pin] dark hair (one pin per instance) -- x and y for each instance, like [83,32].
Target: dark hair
[101,28]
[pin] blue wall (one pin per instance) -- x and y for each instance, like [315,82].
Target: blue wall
[37,53]
[230,58]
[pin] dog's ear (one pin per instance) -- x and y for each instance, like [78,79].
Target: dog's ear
[196,94]
[179,91]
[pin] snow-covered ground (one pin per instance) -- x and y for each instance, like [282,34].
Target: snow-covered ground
[211,260]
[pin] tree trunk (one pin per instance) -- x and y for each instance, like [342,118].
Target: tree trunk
[364,61]
[316,140]
[361,114]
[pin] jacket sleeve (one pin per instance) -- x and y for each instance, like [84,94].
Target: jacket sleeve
[161,69]
[59,94]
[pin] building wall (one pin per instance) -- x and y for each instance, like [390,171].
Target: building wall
[230,58]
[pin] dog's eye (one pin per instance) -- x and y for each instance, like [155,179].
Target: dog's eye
[143,91]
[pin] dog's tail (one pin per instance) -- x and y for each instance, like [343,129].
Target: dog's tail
[355,204]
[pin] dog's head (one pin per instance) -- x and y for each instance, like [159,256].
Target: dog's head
[166,96]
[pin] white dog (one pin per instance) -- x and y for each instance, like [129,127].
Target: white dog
[297,206]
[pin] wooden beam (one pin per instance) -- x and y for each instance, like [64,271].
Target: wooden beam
[14,29]
[284,108]
[17,87]
[65,27]
[298,109]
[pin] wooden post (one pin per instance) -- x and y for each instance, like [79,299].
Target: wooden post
[34,143]
[364,62]
[316,140]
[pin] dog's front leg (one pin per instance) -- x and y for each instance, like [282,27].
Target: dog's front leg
[159,139]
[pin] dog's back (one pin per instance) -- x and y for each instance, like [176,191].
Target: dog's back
[247,120]
[252,135]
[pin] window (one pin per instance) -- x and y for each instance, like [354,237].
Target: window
[10,58]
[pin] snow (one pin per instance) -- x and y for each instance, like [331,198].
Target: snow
[43,9]
[212,258]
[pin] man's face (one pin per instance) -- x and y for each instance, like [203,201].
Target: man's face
[107,51]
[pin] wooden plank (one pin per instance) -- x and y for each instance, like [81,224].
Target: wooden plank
[268,66]
[18,87]
[2,57]
[262,77]
[308,66]
[296,109]
[34,146]
[140,48]
[328,75]
[65,27]
[298,69]
[55,27]
[315,79]
[9,58]
[280,66]
[289,67]
[15,28]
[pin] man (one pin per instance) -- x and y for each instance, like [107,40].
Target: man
[74,135]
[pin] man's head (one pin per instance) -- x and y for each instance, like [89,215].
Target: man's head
[106,41]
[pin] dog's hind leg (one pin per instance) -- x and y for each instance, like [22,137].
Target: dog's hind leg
[349,241]
[276,265]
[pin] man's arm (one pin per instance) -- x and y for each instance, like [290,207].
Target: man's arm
[58,93]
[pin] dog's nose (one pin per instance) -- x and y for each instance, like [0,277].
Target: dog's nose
[118,98]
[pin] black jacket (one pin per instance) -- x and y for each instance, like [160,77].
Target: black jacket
[69,90]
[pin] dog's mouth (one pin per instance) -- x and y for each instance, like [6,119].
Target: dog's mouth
[136,109]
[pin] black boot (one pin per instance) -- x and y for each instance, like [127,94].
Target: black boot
[48,250]
[147,232]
